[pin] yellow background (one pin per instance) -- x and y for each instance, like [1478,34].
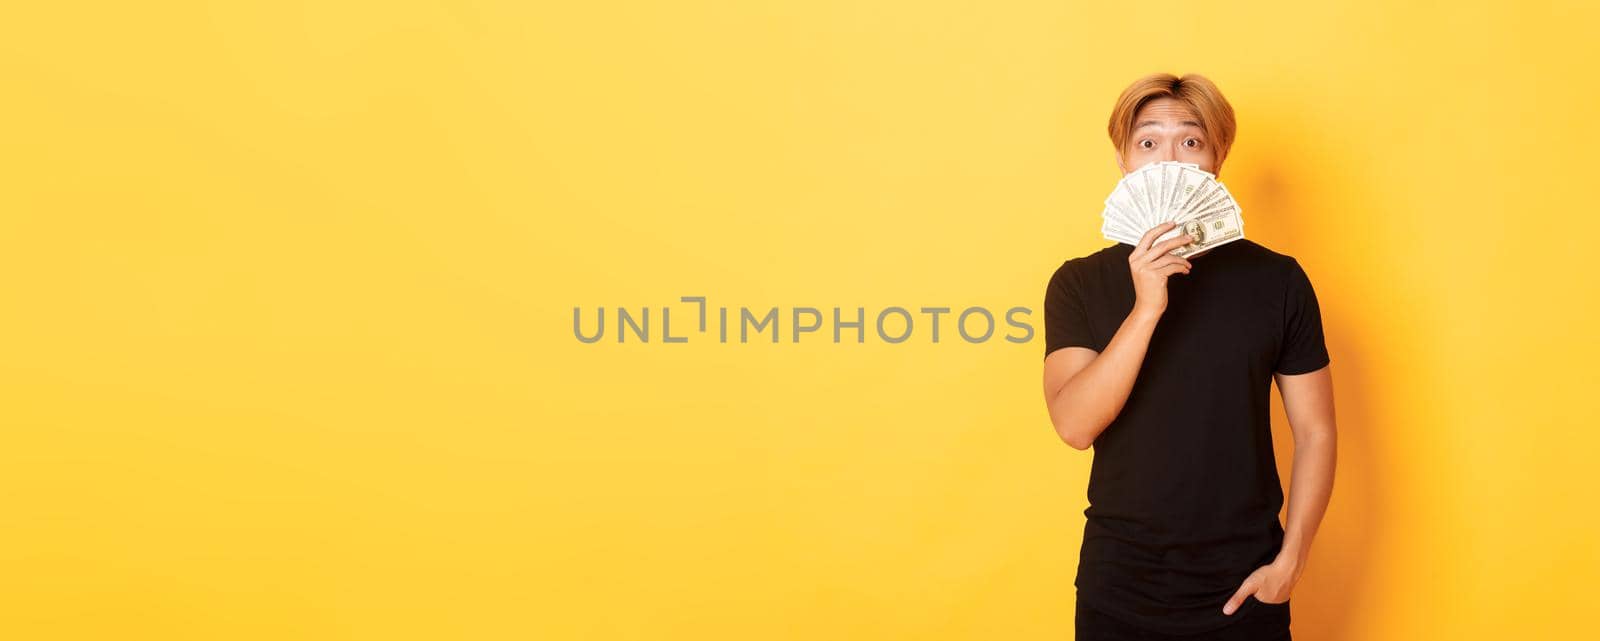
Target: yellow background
[288,299]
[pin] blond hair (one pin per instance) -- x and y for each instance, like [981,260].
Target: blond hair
[1194,90]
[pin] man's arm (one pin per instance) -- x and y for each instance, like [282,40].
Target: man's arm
[1085,390]
[1308,401]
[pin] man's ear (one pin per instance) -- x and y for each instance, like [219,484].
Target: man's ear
[1120,166]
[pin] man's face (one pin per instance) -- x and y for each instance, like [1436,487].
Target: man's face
[1166,129]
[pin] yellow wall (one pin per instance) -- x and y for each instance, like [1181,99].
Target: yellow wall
[288,303]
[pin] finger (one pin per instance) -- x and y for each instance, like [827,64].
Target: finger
[1238,597]
[1165,246]
[1172,269]
[1150,236]
[1170,260]
[1168,245]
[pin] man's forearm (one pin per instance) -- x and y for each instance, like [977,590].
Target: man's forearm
[1311,486]
[1089,401]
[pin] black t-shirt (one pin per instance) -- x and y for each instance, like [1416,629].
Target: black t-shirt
[1184,491]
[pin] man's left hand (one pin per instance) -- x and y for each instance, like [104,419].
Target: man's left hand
[1270,583]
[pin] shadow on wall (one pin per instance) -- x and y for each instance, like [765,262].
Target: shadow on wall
[1279,215]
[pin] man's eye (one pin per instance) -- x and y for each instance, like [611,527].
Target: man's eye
[1147,144]
[1191,143]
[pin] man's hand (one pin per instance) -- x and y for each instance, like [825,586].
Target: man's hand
[1271,583]
[1149,264]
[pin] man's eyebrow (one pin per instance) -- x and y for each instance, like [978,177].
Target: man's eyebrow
[1186,123]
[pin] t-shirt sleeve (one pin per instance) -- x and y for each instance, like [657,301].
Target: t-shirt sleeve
[1066,322]
[1303,347]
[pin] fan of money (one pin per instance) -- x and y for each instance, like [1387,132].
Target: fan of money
[1173,191]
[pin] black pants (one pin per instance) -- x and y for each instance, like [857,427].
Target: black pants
[1094,625]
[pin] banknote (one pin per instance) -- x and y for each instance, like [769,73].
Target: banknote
[1177,192]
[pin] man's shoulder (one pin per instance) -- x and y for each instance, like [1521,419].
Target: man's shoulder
[1115,252]
[1252,251]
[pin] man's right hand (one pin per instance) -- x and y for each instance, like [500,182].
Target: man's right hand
[1150,267]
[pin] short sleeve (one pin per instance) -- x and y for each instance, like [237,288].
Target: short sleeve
[1066,322]
[1303,347]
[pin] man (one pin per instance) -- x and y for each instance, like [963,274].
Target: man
[1164,365]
